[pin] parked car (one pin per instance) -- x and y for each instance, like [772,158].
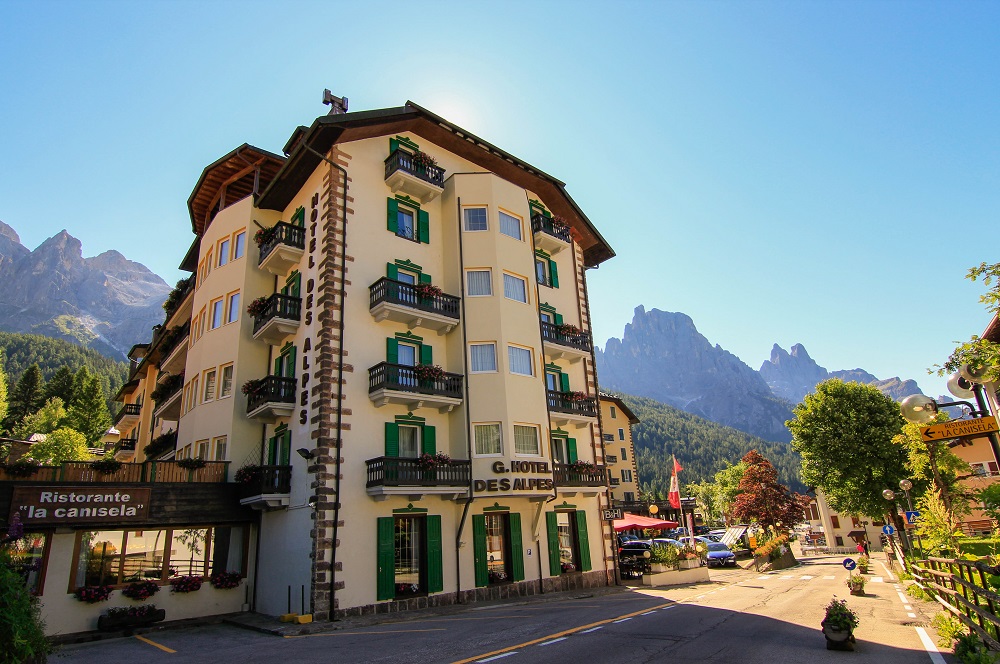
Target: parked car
[633,557]
[719,555]
[623,537]
[667,541]
[717,533]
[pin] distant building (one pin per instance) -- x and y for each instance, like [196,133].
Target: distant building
[827,527]
[616,423]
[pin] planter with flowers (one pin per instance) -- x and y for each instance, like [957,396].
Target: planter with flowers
[689,558]
[252,386]
[225,580]
[265,235]
[497,576]
[575,397]
[863,564]
[838,625]
[567,330]
[856,584]
[257,307]
[191,464]
[427,292]
[427,374]
[140,591]
[422,161]
[93,594]
[185,584]
[567,568]
[249,474]
[107,466]
[432,461]
[21,468]
[125,617]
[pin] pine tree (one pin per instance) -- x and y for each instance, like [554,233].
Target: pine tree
[27,396]
[62,385]
[89,414]
[3,393]
[46,419]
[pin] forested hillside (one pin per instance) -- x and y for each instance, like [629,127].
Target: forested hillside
[20,351]
[702,447]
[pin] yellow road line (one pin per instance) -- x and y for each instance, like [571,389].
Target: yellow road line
[371,633]
[155,644]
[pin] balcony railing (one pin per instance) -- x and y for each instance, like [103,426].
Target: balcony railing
[129,410]
[147,472]
[126,444]
[611,458]
[564,474]
[284,233]
[272,389]
[579,340]
[403,378]
[542,224]
[565,402]
[615,481]
[397,292]
[278,305]
[396,471]
[400,160]
[267,480]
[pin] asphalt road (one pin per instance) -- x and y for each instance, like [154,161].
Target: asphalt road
[740,617]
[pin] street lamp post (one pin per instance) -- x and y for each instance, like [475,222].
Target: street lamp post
[890,495]
[906,485]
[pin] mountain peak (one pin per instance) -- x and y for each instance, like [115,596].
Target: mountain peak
[9,233]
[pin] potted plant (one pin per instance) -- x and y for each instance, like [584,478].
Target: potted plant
[568,567]
[423,161]
[248,474]
[567,330]
[432,461]
[252,386]
[121,617]
[856,584]
[863,564]
[497,576]
[92,594]
[689,558]
[583,467]
[191,464]
[257,306]
[575,396]
[264,235]
[427,291]
[21,468]
[106,466]
[663,558]
[838,625]
[428,372]
[225,580]
[140,591]
[185,584]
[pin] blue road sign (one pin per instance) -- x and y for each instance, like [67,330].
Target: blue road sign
[849,564]
[911,517]
[888,530]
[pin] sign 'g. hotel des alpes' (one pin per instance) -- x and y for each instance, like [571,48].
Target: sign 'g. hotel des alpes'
[78,505]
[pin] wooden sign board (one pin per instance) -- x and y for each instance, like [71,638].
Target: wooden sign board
[959,429]
[79,505]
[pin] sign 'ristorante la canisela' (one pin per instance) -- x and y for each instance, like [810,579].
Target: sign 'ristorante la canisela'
[70,505]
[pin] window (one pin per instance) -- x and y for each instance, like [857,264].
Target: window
[487,438]
[479,282]
[233,310]
[223,251]
[406,219]
[216,314]
[626,475]
[546,272]
[510,225]
[621,434]
[614,413]
[525,439]
[409,441]
[835,520]
[194,392]
[623,455]
[839,540]
[209,387]
[520,361]
[240,245]
[515,288]
[629,497]
[563,449]
[483,357]
[409,555]
[27,558]
[496,548]
[405,226]
[226,386]
[569,559]
[202,447]
[220,448]
[475,219]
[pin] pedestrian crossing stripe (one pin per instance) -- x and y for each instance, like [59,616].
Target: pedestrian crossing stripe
[805,577]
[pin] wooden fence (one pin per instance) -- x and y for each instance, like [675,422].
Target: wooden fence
[961,587]
[148,471]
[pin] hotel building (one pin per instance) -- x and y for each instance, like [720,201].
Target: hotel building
[376,392]
[623,476]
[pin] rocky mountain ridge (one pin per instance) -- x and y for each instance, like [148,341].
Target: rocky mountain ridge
[105,302]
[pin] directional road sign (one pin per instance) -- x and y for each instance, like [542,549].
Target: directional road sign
[888,530]
[959,429]
[911,517]
[612,514]
[849,564]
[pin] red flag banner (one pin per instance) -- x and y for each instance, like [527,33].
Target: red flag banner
[675,492]
[677,466]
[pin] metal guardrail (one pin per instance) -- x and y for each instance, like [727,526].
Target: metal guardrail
[283,233]
[278,305]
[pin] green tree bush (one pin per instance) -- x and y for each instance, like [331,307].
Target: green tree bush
[63,444]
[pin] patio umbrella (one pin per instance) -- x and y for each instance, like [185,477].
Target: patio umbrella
[634,521]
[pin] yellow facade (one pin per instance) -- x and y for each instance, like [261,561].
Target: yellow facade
[616,422]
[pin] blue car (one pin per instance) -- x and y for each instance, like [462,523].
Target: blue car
[719,555]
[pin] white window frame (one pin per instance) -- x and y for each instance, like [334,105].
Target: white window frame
[223,257]
[417,440]
[520,225]
[209,396]
[538,445]
[222,441]
[236,244]
[468,289]
[229,313]
[475,439]
[465,218]
[222,375]
[510,360]
[523,281]
[214,324]
[482,344]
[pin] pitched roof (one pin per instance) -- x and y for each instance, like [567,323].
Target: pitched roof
[233,177]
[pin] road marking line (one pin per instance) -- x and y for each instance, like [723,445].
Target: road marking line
[622,620]
[592,629]
[805,577]
[902,598]
[388,631]
[763,577]
[929,646]
[876,579]
[647,613]
[786,576]
[911,615]
[490,659]
[907,607]
[829,577]
[155,644]
[549,643]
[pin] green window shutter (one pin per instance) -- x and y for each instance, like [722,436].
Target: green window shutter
[391,351]
[564,382]
[272,451]
[435,561]
[428,442]
[293,286]
[571,449]
[393,145]
[391,271]
[552,530]
[386,557]
[583,540]
[516,548]
[278,365]
[425,278]
[391,439]
[423,226]
[426,354]
[392,216]
[554,274]
[559,319]
[285,449]
[299,218]
[479,549]
[290,363]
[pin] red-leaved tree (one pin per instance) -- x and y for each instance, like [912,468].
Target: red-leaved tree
[762,499]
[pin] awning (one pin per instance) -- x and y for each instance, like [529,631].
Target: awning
[630,521]
[733,533]
[854,534]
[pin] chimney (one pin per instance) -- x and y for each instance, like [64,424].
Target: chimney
[338,105]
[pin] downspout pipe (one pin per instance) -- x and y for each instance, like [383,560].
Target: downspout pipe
[340,379]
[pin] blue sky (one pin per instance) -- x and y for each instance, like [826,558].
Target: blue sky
[783,172]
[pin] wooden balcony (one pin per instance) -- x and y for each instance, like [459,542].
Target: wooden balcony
[550,236]
[397,301]
[269,487]
[405,176]
[398,384]
[572,479]
[174,350]
[125,449]
[280,318]
[283,250]
[128,416]
[559,343]
[403,476]
[566,408]
[273,398]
